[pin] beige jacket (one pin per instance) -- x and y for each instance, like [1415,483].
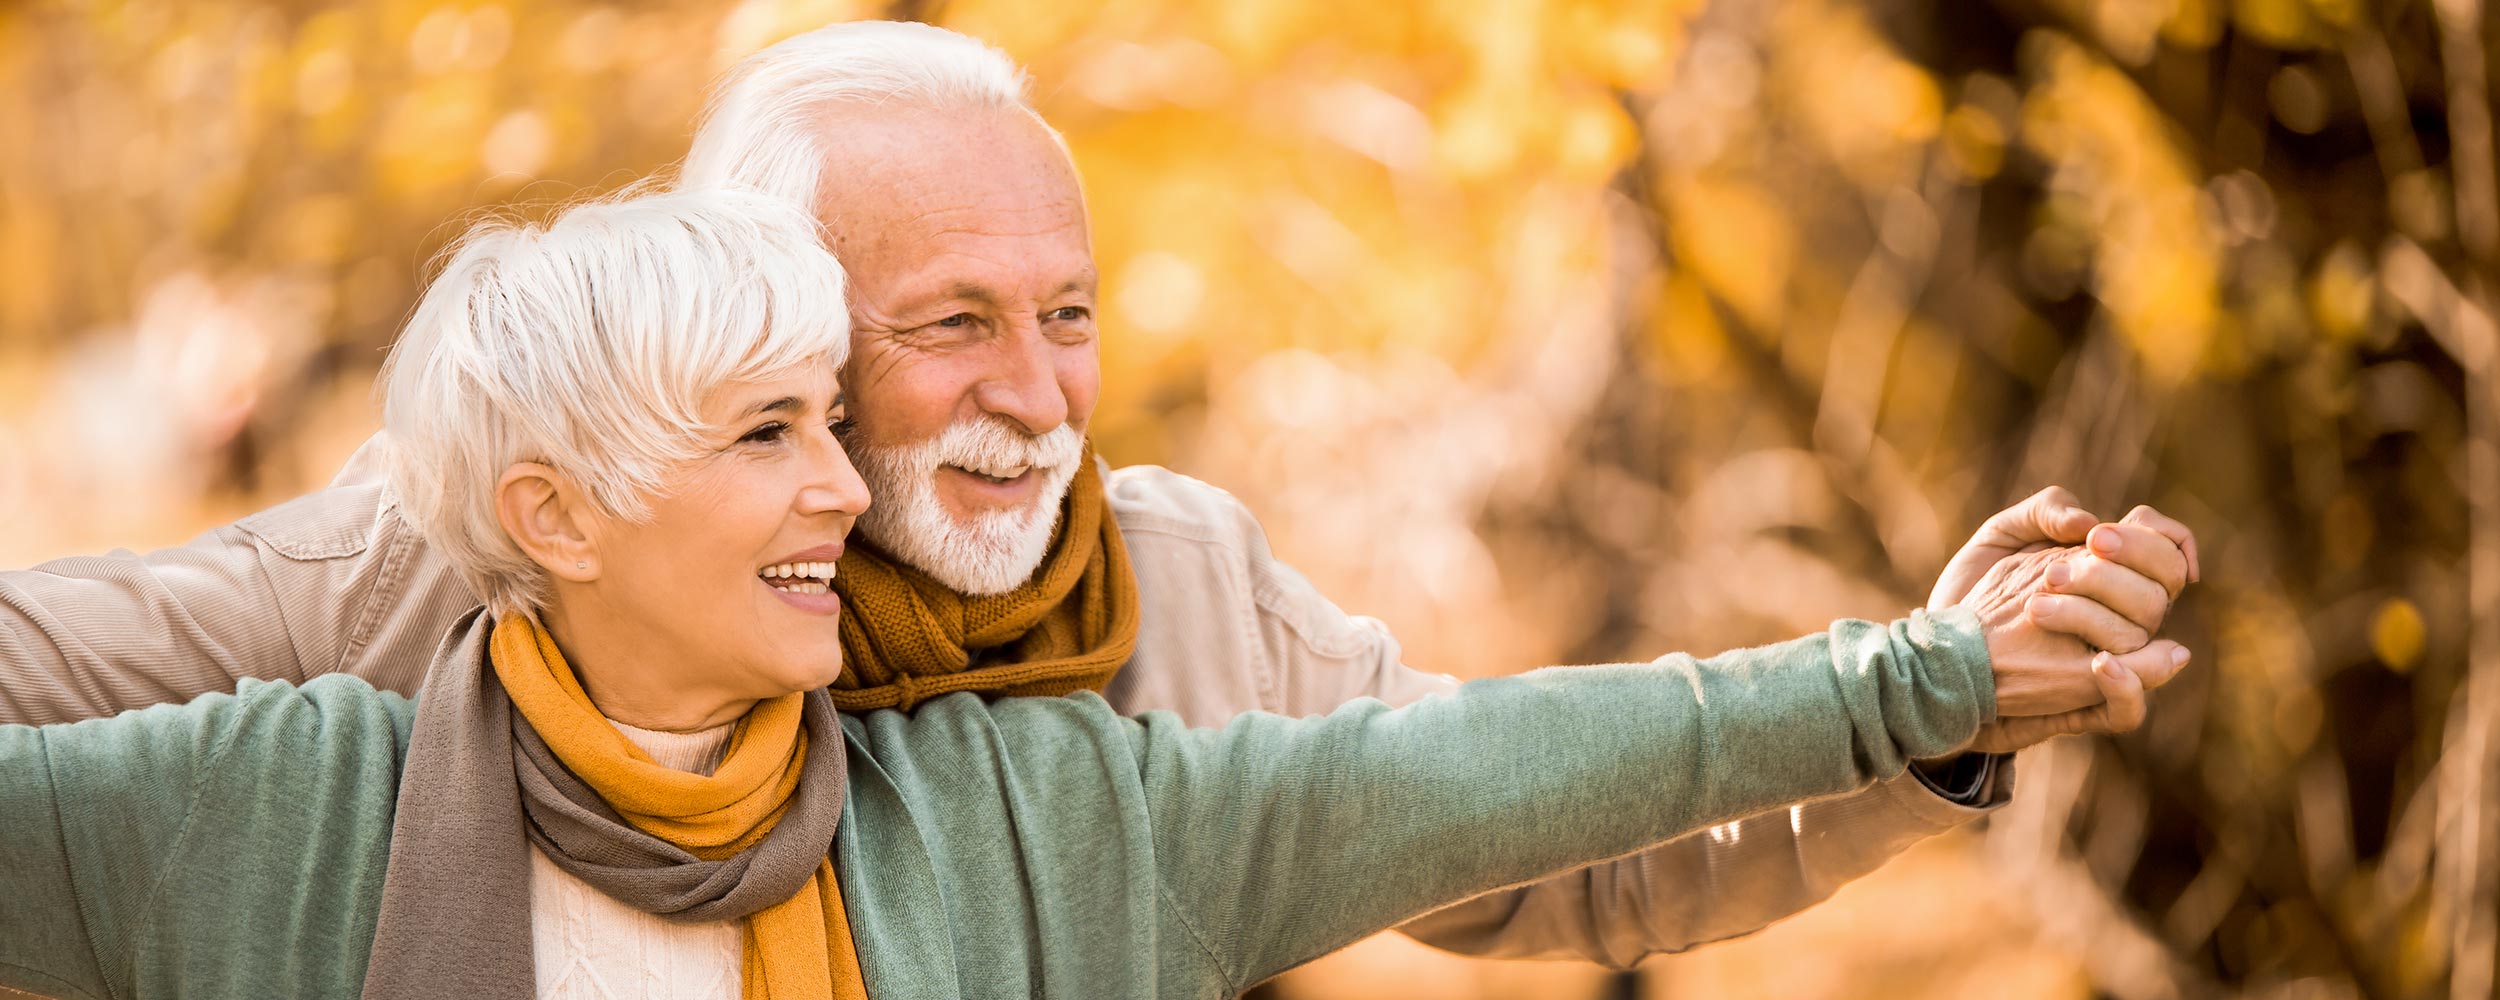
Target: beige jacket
[338,581]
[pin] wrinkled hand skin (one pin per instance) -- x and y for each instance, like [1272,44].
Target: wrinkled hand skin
[2039,672]
[2069,627]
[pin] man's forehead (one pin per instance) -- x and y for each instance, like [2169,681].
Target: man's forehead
[979,206]
[892,167]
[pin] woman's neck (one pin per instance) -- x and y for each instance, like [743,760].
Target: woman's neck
[617,669]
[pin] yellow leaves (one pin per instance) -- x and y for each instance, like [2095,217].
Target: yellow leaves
[1688,346]
[2283,24]
[451,39]
[1592,139]
[1738,239]
[1975,142]
[2342,294]
[429,137]
[1871,110]
[1126,75]
[1158,292]
[2117,162]
[30,266]
[2397,634]
[1478,134]
[315,230]
[2263,679]
[519,143]
[1626,46]
[755,24]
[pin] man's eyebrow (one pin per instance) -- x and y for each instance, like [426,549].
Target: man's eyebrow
[971,292]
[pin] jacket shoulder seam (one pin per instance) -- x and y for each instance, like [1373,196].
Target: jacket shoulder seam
[261,528]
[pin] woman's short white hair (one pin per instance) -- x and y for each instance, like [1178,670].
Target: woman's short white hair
[589,345]
[764,127]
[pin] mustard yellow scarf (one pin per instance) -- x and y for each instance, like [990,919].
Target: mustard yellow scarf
[907,638]
[799,949]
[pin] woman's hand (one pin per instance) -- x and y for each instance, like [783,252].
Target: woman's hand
[2048,609]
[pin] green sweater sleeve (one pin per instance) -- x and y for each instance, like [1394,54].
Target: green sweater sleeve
[88,812]
[1278,840]
[134,850]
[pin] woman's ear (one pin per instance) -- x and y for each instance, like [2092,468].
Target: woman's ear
[546,516]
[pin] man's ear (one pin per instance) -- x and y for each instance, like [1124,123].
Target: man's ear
[545,514]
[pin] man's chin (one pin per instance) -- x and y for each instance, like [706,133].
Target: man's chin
[975,556]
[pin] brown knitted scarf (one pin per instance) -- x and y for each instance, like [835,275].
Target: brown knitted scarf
[906,638]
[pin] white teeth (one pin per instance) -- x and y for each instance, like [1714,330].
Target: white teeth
[1009,472]
[817,574]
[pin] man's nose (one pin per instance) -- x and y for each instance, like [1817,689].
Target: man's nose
[1023,385]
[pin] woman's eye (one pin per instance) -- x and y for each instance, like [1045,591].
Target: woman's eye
[842,425]
[765,433]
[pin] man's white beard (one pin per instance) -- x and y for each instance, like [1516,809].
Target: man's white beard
[1000,549]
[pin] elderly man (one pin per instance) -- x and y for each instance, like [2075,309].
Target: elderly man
[1000,557]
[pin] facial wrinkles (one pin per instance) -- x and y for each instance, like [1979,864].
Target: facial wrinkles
[927,202]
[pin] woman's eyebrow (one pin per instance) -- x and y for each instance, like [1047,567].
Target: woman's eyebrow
[783,404]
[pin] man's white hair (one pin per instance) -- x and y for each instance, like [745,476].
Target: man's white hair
[589,345]
[764,127]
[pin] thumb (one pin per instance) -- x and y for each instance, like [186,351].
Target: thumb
[2051,515]
[2156,663]
[2122,689]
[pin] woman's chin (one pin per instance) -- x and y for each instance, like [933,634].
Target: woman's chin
[811,673]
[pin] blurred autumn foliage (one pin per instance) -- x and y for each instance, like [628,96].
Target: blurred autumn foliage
[1548,332]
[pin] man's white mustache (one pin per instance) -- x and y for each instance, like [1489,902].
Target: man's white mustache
[994,447]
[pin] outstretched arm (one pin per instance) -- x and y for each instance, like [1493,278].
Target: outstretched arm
[333,582]
[1739,877]
[1279,840]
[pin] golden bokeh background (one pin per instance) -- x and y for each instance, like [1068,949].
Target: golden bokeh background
[1564,331]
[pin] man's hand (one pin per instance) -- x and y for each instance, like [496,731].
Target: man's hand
[2046,610]
[2054,517]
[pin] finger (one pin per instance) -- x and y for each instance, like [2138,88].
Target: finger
[2143,550]
[2086,619]
[2155,664]
[2125,694]
[2134,596]
[2049,515]
[2052,515]
[2170,528]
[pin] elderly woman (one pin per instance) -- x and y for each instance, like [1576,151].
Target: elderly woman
[623,776]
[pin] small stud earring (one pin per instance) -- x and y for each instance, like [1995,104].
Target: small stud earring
[581,565]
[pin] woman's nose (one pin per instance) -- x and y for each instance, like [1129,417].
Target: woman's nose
[833,484]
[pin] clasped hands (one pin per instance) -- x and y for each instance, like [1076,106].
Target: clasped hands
[2070,607]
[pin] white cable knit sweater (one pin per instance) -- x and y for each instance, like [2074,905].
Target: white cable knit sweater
[588,946]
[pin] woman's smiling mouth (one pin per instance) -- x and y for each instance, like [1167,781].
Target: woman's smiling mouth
[800,577]
[804,580]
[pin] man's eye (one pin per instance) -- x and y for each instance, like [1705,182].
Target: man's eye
[1068,314]
[767,432]
[959,319]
